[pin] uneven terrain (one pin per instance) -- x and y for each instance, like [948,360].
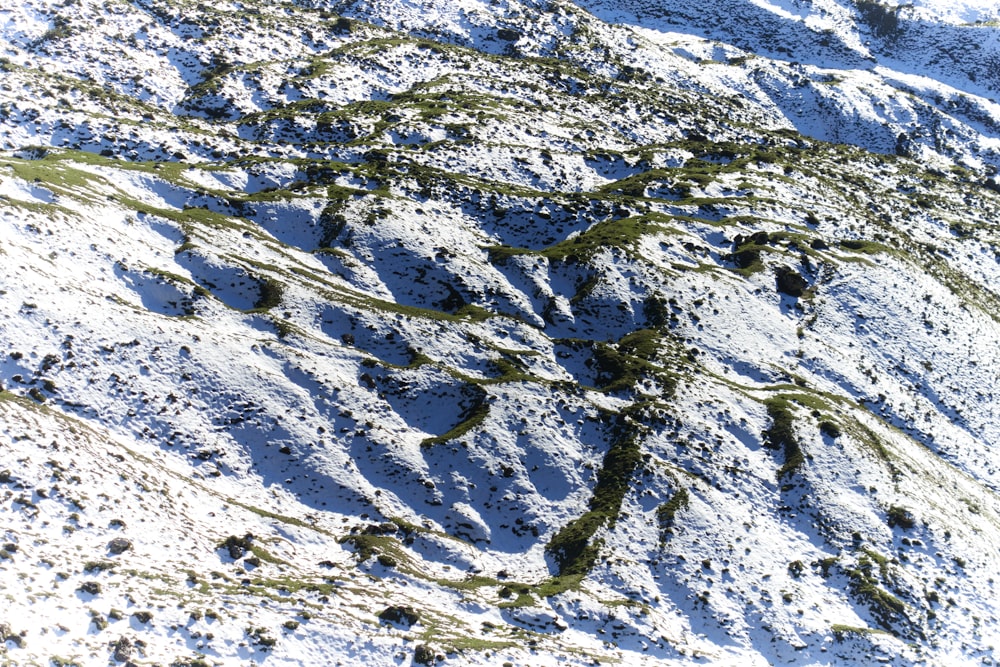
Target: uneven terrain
[499,332]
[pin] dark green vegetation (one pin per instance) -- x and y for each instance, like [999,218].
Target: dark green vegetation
[868,581]
[573,548]
[781,435]
[666,513]
[645,354]
[270,295]
[882,19]
[469,419]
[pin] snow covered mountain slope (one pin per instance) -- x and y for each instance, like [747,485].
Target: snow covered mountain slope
[944,57]
[494,333]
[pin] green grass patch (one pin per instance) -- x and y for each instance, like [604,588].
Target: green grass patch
[873,568]
[622,233]
[781,435]
[386,549]
[287,585]
[841,632]
[266,556]
[666,513]
[271,291]
[623,365]
[468,584]
[500,254]
[572,547]
[472,417]
[867,437]
[866,247]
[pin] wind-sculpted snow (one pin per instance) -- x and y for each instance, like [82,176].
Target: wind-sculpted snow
[499,333]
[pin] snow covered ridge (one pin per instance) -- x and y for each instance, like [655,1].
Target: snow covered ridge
[498,333]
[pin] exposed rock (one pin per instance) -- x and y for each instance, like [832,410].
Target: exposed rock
[122,649]
[8,635]
[403,615]
[790,281]
[90,587]
[238,546]
[142,616]
[119,545]
[385,528]
[423,655]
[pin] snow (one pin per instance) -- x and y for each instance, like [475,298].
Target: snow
[412,415]
[963,11]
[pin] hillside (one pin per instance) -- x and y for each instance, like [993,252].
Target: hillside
[483,333]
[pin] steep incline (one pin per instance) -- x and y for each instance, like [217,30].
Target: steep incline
[499,333]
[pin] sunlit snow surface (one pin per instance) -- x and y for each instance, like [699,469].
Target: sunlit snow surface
[355,297]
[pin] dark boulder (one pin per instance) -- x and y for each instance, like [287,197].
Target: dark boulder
[399,615]
[423,655]
[123,649]
[119,545]
[790,282]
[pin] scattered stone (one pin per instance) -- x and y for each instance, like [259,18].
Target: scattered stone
[119,545]
[790,281]
[400,615]
[8,635]
[98,566]
[238,546]
[386,528]
[90,587]
[142,616]
[536,619]
[123,649]
[423,655]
